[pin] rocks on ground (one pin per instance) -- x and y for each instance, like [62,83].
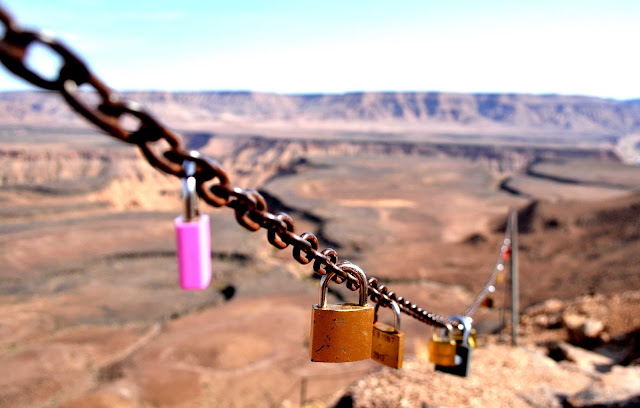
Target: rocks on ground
[501,376]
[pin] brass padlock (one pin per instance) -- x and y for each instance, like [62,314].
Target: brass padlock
[500,275]
[442,348]
[341,332]
[459,338]
[388,341]
[462,365]
[488,300]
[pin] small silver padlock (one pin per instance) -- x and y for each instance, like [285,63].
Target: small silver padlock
[463,348]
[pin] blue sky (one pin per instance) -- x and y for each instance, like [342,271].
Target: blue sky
[567,47]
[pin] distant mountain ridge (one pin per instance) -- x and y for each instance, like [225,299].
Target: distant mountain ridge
[544,112]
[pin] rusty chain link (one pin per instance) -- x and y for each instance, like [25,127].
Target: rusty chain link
[213,184]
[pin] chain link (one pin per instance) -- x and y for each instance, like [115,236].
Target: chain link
[213,184]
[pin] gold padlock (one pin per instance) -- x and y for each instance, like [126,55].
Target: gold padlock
[488,299]
[487,302]
[472,340]
[341,332]
[500,275]
[388,341]
[442,348]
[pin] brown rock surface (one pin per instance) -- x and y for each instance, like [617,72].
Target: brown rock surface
[620,387]
[501,377]
[62,363]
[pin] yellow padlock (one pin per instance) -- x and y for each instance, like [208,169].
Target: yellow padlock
[388,341]
[341,332]
[442,348]
[472,340]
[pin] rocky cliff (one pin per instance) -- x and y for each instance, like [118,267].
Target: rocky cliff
[535,112]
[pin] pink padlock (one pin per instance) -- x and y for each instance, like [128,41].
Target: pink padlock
[193,241]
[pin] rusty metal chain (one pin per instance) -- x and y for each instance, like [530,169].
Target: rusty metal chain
[213,184]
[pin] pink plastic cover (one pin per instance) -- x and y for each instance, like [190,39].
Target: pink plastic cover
[193,241]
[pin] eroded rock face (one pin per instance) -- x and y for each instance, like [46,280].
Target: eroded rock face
[587,321]
[91,314]
[556,113]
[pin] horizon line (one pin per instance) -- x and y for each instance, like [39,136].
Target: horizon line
[351,92]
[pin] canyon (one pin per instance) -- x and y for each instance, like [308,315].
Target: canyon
[413,187]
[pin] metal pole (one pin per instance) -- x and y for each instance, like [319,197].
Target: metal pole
[503,312]
[303,391]
[515,312]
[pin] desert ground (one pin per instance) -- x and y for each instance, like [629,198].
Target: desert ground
[91,313]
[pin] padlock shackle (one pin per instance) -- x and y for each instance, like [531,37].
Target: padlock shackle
[396,314]
[465,322]
[353,270]
[189,192]
[447,332]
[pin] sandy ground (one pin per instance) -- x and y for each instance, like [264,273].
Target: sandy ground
[90,313]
